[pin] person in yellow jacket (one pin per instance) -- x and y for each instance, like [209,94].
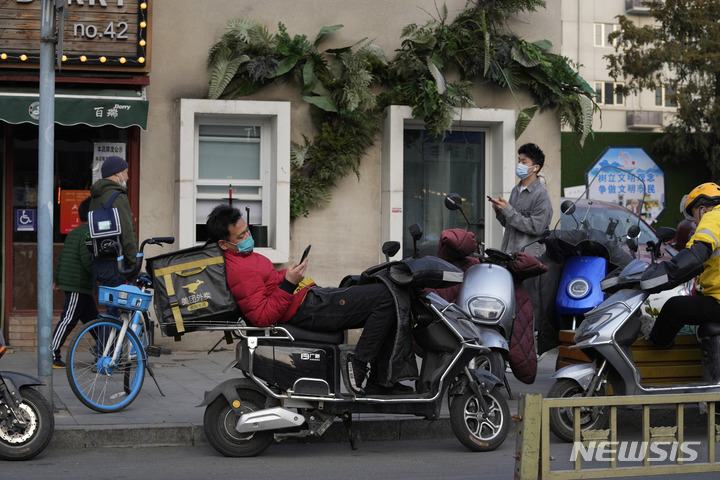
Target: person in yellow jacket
[701,256]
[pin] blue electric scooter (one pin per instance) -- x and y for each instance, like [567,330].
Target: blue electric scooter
[589,255]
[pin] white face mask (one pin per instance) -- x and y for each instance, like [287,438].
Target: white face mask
[123,181]
[522,171]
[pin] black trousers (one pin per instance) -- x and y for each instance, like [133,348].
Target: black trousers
[680,311]
[370,307]
[78,306]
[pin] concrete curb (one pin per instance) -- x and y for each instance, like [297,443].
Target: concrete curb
[189,435]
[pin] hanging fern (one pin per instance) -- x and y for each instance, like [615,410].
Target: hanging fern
[341,83]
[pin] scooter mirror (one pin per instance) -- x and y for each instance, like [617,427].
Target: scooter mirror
[665,234]
[390,248]
[415,231]
[453,201]
[567,207]
[633,231]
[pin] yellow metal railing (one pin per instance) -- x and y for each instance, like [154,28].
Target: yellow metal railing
[533,459]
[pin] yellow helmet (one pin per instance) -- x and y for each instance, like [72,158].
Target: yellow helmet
[708,191]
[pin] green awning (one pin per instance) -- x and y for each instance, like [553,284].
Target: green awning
[96,108]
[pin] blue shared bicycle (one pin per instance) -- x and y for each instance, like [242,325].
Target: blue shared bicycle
[107,358]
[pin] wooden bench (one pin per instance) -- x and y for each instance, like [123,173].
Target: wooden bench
[680,364]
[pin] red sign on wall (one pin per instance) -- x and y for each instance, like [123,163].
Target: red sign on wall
[70,200]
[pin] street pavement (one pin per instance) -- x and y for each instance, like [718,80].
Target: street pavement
[175,419]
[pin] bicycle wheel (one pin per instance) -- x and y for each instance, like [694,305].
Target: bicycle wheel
[98,382]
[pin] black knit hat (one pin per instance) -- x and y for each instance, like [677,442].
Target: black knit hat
[112,165]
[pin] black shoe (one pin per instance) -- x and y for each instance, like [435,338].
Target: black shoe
[58,363]
[659,346]
[357,372]
[396,389]
[664,347]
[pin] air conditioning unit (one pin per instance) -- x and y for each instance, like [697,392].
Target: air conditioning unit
[644,119]
[636,7]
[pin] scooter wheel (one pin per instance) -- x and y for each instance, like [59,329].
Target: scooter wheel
[25,443]
[479,432]
[219,422]
[561,419]
[491,361]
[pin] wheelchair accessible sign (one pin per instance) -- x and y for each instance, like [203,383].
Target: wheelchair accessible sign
[25,220]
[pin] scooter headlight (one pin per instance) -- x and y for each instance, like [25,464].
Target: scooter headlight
[578,288]
[486,308]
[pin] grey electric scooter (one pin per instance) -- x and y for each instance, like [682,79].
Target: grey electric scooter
[606,335]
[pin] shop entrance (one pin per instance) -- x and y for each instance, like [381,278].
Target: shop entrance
[79,152]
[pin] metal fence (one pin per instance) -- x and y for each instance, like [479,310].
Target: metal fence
[533,450]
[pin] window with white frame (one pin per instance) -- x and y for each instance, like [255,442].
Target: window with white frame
[606,93]
[665,96]
[236,152]
[602,30]
[418,172]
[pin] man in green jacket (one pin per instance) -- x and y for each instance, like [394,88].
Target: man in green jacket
[114,171]
[74,276]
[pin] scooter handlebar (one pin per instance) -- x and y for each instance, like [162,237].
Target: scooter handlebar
[131,273]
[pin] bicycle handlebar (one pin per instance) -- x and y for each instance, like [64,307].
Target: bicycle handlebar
[131,273]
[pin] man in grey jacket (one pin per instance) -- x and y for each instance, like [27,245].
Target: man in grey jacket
[528,212]
[525,216]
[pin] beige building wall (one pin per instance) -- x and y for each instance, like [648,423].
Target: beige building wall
[346,235]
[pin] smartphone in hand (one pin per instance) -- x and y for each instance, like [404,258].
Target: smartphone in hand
[305,254]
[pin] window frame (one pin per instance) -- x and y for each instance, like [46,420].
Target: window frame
[613,27]
[602,101]
[499,167]
[664,92]
[274,118]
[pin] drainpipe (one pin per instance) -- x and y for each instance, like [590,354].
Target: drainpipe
[46,149]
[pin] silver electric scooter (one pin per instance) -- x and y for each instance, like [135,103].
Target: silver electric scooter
[606,336]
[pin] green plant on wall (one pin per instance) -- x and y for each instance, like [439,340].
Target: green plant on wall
[341,83]
[337,81]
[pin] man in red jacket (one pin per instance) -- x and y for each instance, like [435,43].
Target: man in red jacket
[267,296]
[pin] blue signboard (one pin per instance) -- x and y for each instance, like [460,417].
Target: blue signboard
[629,177]
[25,220]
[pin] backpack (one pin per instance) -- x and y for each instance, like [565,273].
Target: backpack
[105,229]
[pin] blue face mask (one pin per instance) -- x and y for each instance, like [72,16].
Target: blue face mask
[246,246]
[522,171]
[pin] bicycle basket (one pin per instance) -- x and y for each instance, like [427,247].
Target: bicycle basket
[125,296]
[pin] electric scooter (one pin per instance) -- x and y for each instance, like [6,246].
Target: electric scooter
[606,335]
[488,296]
[292,385]
[587,255]
[27,422]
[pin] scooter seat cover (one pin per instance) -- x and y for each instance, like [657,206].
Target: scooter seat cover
[708,329]
[428,272]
